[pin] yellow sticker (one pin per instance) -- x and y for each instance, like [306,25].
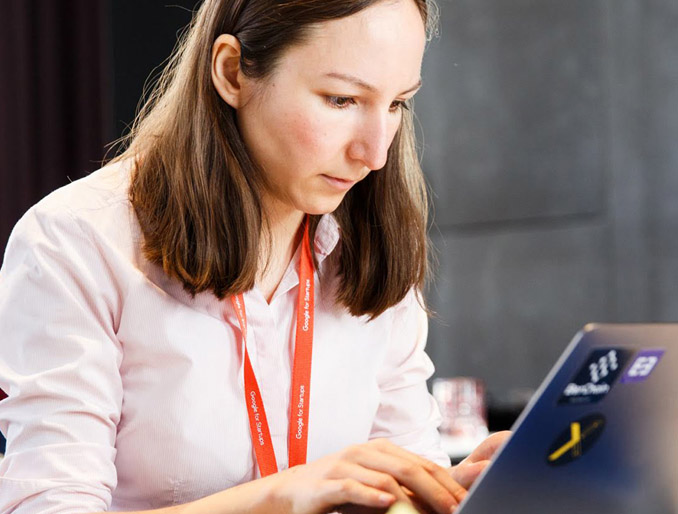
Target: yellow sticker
[576,440]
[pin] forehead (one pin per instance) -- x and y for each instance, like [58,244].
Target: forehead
[382,45]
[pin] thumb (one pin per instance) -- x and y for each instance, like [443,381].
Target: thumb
[487,449]
[466,473]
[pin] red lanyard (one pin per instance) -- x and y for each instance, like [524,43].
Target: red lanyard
[300,392]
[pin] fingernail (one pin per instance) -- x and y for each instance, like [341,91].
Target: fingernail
[386,499]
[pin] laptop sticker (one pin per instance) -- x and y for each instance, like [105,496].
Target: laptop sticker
[642,365]
[595,378]
[576,440]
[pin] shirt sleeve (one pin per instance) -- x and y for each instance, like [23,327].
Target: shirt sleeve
[59,365]
[408,415]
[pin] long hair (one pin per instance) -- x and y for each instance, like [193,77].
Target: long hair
[197,192]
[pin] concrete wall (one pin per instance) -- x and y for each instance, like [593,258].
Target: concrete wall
[551,145]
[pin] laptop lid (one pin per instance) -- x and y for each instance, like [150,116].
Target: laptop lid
[599,436]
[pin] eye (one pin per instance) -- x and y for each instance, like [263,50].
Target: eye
[398,105]
[340,102]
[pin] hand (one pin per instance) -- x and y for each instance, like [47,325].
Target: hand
[375,474]
[466,472]
[396,508]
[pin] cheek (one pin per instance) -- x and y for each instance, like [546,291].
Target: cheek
[310,138]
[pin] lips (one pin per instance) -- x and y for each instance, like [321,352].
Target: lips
[346,180]
[339,183]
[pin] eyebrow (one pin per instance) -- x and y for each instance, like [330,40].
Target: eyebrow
[364,85]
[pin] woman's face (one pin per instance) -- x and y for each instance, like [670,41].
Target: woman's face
[327,115]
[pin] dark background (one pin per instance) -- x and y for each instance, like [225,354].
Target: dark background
[550,134]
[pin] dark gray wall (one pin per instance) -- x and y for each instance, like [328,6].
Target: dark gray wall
[551,145]
[143,35]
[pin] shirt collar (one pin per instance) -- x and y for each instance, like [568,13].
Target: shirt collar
[326,236]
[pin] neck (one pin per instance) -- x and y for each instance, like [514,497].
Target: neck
[283,231]
[278,244]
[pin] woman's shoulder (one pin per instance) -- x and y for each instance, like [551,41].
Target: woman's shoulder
[94,211]
[103,189]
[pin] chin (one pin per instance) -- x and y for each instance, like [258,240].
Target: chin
[325,206]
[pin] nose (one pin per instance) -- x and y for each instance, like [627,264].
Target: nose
[371,141]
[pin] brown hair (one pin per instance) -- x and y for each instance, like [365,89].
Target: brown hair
[196,191]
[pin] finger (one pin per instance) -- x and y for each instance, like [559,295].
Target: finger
[369,477]
[396,508]
[417,504]
[441,474]
[348,490]
[467,473]
[487,449]
[410,474]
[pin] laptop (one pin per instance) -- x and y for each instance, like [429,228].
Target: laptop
[600,435]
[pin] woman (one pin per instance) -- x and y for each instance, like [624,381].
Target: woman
[191,317]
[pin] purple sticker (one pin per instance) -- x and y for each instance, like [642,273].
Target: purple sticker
[642,366]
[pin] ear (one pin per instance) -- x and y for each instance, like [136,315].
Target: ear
[226,74]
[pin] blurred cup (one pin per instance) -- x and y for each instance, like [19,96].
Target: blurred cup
[462,405]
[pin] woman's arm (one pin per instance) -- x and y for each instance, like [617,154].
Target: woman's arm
[252,497]
[408,415]
[59,365]
[374,474]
